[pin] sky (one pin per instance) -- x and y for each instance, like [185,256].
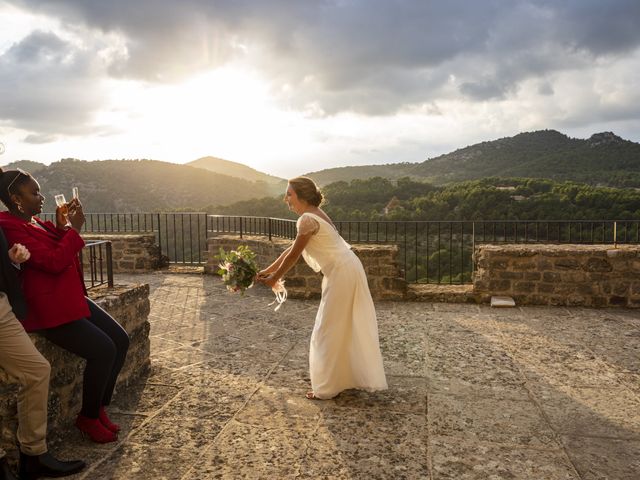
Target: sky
[294,86]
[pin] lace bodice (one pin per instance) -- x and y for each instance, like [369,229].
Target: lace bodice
[325,246]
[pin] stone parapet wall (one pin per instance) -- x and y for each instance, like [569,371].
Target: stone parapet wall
[570,275]
[379,261]
[132,252]
[129,305]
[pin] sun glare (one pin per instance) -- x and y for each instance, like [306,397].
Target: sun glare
[227,112]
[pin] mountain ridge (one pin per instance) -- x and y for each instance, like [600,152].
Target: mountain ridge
[603,158]
[140,185]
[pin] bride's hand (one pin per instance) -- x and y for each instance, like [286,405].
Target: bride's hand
[262,275]
[268,279]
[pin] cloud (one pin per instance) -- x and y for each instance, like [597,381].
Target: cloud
[50,86]
[373,57]
[40,139]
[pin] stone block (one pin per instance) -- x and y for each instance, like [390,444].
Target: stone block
[524,287]
[551,277]
[509,275]
[546,288]
[499,264]
[617,301]
[500,285]
[533,276]
[598,265]
[544,264]
[524,265]
[567,264]
[620,289]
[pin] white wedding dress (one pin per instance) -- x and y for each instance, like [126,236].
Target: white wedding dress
[344,351]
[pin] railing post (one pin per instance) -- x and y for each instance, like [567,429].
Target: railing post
[615,234]
[269,228]
[240,227]
[109,265]
[473,248]
[159,234]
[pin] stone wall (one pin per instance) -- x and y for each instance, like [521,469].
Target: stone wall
[132,252]
[571,275]
[379,261]
[129,305]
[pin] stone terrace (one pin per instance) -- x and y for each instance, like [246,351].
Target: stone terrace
[475,393]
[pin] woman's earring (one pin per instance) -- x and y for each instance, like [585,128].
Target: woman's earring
[20,209]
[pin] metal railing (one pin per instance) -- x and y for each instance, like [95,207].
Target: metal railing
[96,262]
[442,251]
[243,225]
[430,251]
[181,237]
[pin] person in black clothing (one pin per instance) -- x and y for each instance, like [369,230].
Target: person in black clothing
[20,359]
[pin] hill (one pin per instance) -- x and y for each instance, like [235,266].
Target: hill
[141,185]
[238,170]
[26,165]
[602,159]
[485,199]
[391,171]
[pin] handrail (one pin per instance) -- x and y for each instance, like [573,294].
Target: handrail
[99,258]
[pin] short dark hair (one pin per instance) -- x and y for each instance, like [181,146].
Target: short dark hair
[10,181]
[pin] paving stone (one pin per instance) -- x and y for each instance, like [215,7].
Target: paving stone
[280,408]
[404,395]
[139,462]
[402,349]
[247,451]
[143,398]
[455,458]
[184,356]
[171,429]
[611,412]
[547,360]
[367,444]
[491,419]
[485,362]
[604,458]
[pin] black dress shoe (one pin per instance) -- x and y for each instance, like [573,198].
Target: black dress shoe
[33,467]
[5,471]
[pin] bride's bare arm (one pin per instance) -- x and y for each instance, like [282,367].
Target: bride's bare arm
[290,257]
[274,266]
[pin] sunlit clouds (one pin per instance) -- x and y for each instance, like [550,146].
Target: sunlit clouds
[289,87]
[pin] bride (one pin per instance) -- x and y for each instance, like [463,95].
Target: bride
[344,351]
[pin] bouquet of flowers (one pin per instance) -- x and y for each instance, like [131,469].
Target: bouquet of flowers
[238,268]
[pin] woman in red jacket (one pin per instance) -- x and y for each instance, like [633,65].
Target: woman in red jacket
[56,298]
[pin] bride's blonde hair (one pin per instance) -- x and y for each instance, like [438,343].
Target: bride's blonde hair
[307,190]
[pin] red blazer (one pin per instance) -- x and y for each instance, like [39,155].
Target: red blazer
[51,279]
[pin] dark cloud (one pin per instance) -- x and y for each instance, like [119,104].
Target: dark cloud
[49,86]
[368,56]
[39,139]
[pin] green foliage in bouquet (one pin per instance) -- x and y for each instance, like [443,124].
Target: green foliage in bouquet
[238,268]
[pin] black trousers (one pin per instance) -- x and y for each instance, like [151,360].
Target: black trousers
[103,343]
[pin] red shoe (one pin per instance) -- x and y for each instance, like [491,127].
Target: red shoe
[95,430]
[104,419]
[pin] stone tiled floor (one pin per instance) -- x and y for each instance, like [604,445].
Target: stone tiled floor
[475,393]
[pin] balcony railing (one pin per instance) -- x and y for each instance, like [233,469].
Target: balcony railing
[96,263]
[442,251]
[430,251]
[182,237]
